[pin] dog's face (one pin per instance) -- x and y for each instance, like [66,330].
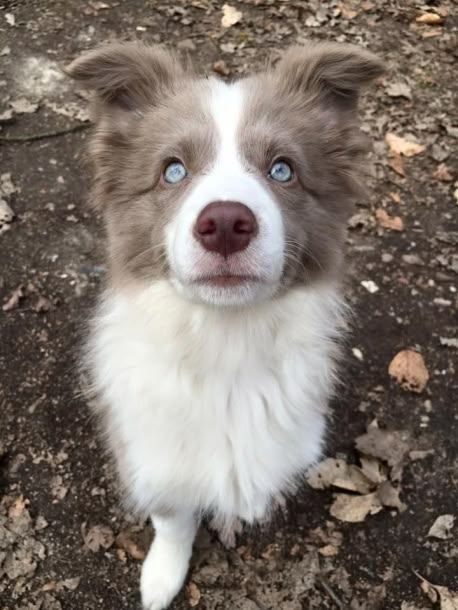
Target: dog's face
[233,192]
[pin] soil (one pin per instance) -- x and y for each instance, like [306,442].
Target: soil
[65,541]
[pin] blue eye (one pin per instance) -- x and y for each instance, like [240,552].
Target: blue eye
[281,171]
[175,172]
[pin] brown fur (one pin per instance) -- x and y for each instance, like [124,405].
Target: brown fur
[148,110]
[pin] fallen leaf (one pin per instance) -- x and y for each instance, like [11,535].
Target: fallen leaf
[372,469]
[442,173]
[17,508]
[448,599]
[397,164]
[449,342]
[394,223]
[432,33]
[402,146]
[194,594]
[23,106]
[354,509]
[391,446]
[389,496]
[231,16]
[442,527]
[220,67]
[396,197]
[7,187]
[409,370]
[333,472]
[370,286]
[7,115]
[97,537]
[399,90]
[429,18]
[126,540]
[6,213]
[13,301]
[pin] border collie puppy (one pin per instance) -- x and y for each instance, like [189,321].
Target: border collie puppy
[213,351]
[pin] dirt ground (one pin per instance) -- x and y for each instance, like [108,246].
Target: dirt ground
[65,542]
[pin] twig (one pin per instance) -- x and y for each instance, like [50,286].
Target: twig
[44,134]
[328,589]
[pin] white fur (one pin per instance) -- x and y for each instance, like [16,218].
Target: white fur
[227,180]
[218,409]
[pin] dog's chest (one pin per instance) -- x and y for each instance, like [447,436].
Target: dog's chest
[216,411]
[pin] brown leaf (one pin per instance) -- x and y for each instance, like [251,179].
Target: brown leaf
[442,527]
[429,18]
[391,446]
[13,301]
[194,594]
[99,536]
[231,16]
[126,541]
[337,473]
[394,223]
[409,370]
[402,146]
[17,508]
[220,67]
[448,599]
[354,509]
[442,173]
[397,164]
[389,496]
[432,33]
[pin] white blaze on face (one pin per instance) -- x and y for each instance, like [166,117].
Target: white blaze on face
[229,179]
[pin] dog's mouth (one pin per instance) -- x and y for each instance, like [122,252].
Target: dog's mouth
[226,280]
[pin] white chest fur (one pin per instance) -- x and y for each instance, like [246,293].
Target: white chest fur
[214,409]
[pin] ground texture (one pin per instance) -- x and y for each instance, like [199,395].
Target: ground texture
[64,541]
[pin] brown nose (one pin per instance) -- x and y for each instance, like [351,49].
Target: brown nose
[225,227]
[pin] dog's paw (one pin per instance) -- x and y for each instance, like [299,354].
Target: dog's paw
[163,574]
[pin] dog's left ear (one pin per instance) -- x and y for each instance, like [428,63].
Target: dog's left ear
[332,73]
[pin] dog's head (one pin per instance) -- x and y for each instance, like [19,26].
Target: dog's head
[234,192]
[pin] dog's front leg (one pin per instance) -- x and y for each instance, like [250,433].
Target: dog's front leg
[165,567]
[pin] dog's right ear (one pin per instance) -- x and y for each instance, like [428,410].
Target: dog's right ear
[127,76]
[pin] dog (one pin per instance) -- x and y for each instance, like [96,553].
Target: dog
[215,346]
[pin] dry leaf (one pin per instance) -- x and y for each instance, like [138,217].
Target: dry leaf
[354,509]
[448,599]
[442,173]
[99,536]
[409,370]
[6,213]
[220,67]
[231,16]
[401,146]
[372,469]
[17,508]
[126,541]
[13,301]
[333,472]
[399,90]
[397,164]
[194,594]
[429,18]
[389,496]
[394,223]
[442,527]
[391,446]
[432,33]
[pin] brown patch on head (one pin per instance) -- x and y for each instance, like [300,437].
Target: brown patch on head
[148,111]
[305,111]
